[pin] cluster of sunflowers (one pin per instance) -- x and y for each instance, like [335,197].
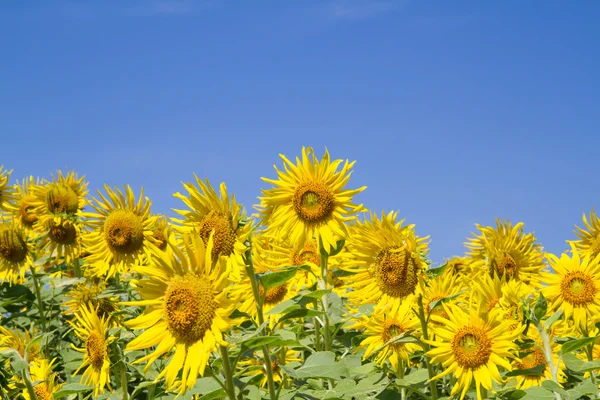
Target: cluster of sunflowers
[313,297]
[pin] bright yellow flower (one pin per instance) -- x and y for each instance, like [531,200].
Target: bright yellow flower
[41,372]
[207,212]
[15,253]
[532,357]
[441,287]
[121,231]
[24,203]
[92,330]
[471,346]
[63,197]
[459,267]
[574,286]
[386,260]
[256,366]
[89,295]
[308,199]
[19,340]
[507,251]
[6,192]
[188,310]
[388,321]
[589,237]
[61,240]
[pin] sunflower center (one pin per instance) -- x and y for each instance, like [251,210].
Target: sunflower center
[313,202]
[505,266]
[224,236]
[41,392]
[307,254]
[578,288]
[396,272]
[471,347]
[26,211]
[62,234]
[159,239]
[189,308]
[95,348]
[391,329]
[62,199]
[274,295]
[124,231]
[12,246]
[532,360]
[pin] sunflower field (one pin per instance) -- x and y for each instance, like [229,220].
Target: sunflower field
[311,296]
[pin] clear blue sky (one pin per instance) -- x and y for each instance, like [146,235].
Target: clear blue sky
[456,112]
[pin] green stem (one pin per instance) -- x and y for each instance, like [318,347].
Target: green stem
[124,380]
[261,319]
[28,385]
[151,390]
[323,286]
[317,328]
[548,353]
[77,269]
[38,295]
[590,356]
[427,347]
[400,376]
[228,373]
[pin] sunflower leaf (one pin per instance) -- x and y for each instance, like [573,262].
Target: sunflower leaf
[577,344]
[576,364]
[540,307]
[538,370]
[270,280]
[71,388]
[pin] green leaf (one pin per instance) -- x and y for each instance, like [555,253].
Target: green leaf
[538,393]
[433,272]
[299,313]
[286,306]
[71,388]
[553,318]
[404,337]
[414,378]
[537,370]
[576,364]
[540,307]
[322,365]
[339,246]
[272,280]
[18,364]
[555,387]
[585,388]
[577,344]
[316,294]
[267,340]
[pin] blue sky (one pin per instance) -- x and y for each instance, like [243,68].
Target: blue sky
[456,112]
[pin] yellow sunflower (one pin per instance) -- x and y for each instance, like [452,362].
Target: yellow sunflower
[6,192]
[589,237]
[15,253]
[308,199]
[61,240]
[90,295]
[385,260]
[121,231]
[507,251]
[256,366]
[162,230]
[19,340]
[471,347]
[459,267]
[93,332]
[63,197]
[188,310]
[388,321]
[42,372]
[440,288]
[574,286]
[24,203]
[208,212]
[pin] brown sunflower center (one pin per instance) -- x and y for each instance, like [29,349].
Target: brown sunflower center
[95,347]
[41,392]
[396,272]
[27,211]
[578,288]
[12,246]
[307,254]
[224,236]
[274,295]
[189,307]
[313,202]
[124,231]
[62,199]
[532,359]
[505,265]
[471,347]
[62,234]
[159,239]
[392,329]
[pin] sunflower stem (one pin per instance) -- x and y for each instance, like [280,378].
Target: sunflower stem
[261,319]
[317,328]
[38,295]
[400,376]
[228,372]
[124,380]
[77,268]
[28,384]
[323,286]
[547,353]
[427,347]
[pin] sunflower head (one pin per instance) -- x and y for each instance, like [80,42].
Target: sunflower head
[588,242]
[15,253]
[42,371]
[23,203]
[309,199]
[89,295]
[62,197]
[5,190]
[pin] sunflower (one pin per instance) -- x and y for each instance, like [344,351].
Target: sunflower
[574,286]
[90,295]
[41,372]
[388,321]
[459,267]
[507,251]
[494,294]
[208,212]
[21,342]
[188,308]
[15,253]
[63,197]
[92,330]
[308,199]
[589,237]
[440,288]
[385,260]
[471,346]
[121,231]
[162,230]
[255,365]
[5,190]
[61,239]
[23,203]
